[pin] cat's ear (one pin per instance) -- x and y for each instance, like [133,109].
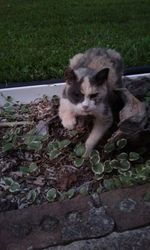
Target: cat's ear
[101,76]
[70,76]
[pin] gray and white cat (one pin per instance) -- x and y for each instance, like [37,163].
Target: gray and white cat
[91,79]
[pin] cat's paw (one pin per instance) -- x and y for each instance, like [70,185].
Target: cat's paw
[69,124]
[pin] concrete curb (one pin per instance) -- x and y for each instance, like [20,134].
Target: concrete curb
[83,217]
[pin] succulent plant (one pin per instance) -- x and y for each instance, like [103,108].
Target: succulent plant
[133,156]
[83,190]
[121,143]
[70,193]
[115,164]
[107,167]
[95,157]
[51,194]
[54,154]
[98,168]
[79,150]
[78,162]
[109,147]
[9,184]
[124,165]
[122,156]
[29,169]
[109,184]
[31,197]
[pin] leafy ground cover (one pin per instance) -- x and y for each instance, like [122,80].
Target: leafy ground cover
[38,37]
[40,161]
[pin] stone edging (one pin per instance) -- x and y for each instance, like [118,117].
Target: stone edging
[83,217]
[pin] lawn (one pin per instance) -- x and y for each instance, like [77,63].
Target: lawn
[37,37]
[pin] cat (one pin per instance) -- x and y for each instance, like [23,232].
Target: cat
[91,80]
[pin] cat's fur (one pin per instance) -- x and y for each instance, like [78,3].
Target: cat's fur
[90,80]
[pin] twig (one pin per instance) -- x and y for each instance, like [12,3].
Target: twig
[52,118]
[13,124]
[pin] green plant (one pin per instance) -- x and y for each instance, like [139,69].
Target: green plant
[109,147]
[32,195]
[29,169]
[51,194]
[34,141]
[133,156]
[9,184]
[55,147]
[121,143]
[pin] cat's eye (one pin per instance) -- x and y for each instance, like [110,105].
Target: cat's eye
[92,96]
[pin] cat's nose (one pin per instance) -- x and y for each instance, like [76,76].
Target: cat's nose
[85,107]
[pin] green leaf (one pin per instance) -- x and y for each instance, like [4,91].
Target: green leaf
[78,162]
[98,168]
[79,150]
[32,196]
[124,165]
[7,147]
[98,177]
[54,154]
[83,190]
[120,171]
[99,189]
[128,173]
[33,140]
[115,164]
[94,157]
[109,184]
[24,170]
[33,167]
[72,133]
[107,167]
[51,194]
[14,187]
[50,146]
[109,147]
[24,109]
[126,180]
[133,156]
[117,182]
[122,156]
[27,170]
[121,143]
[35,145]
[8,181]
[9,109]
[55,144]
[64,143]
[70,193]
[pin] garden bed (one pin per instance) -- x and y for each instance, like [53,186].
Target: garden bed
[40,161]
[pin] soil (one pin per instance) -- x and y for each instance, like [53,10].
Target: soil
[22,125]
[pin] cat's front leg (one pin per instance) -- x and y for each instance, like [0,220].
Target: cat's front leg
[67,115]
[99,129]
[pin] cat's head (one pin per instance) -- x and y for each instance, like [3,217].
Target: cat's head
[86,92]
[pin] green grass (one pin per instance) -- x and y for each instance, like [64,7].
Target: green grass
[37,37]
